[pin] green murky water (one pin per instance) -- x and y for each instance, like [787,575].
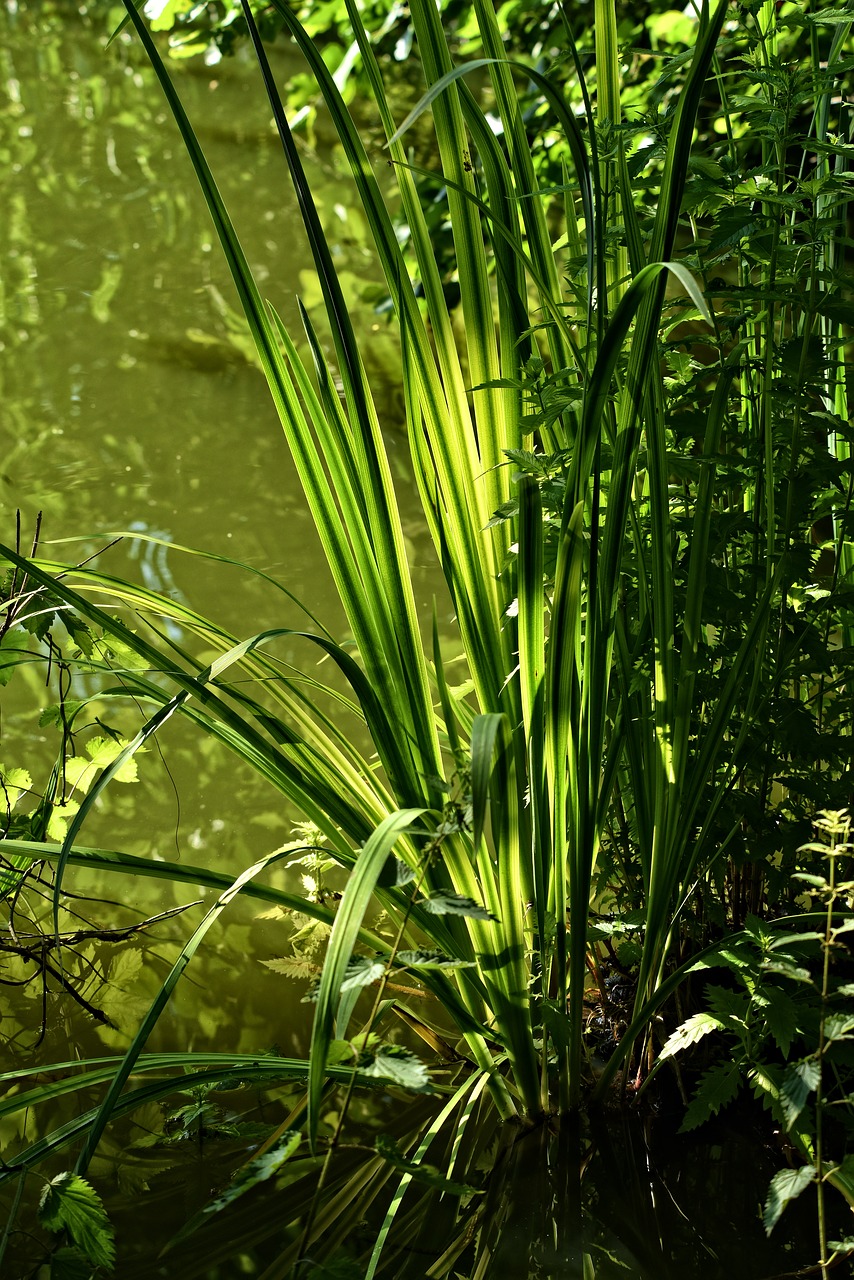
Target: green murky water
[130,401]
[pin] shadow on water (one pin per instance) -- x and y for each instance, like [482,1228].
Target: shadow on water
[611,1197]
[620,1198]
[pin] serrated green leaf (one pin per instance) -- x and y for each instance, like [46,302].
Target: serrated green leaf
[790,938]
[838,1026]
[785,1187]
[80,634]
[399,1066]
[729,1005]
[455,904]
[418,1172]
[13,784]
[70,1203]
[787,967]
[60,816]
[766,1082]
[258,1170]
[78,773]
[56,714]
[799,1081]
[781,1016]
[403,873]
[692,1030]
[717,1087]
[14,650]
[431,960]
[361,971]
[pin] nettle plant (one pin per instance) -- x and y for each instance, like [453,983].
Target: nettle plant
[628,446]
[787,1018]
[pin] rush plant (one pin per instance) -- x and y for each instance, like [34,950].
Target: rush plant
[629,587]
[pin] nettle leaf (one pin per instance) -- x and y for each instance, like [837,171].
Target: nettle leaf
[847,989]
[800,1080]
[258,1170]
[787,967]
[361,971]
[398,1066]
[431,960]
[60,816]
[767,1081]
[455,904]
[71,1204]
[14,650]
[13,784]
[80,772]
[79,633]
[291,966]
[838,1026]
[697,1026]
[781,1015]
[104,750]
[729,1005]
[340,1051]
[785,1187]
[426,1173]
[403,873]
[717,1087]
[735,957]
[791,938]
[60,714]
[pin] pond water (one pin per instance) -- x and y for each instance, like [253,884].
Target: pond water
[129,401]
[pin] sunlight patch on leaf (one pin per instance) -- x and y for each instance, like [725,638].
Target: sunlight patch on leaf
[692,1030]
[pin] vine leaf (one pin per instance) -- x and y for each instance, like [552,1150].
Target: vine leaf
[70,1203]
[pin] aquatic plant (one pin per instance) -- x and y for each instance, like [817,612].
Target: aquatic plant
[610,459]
